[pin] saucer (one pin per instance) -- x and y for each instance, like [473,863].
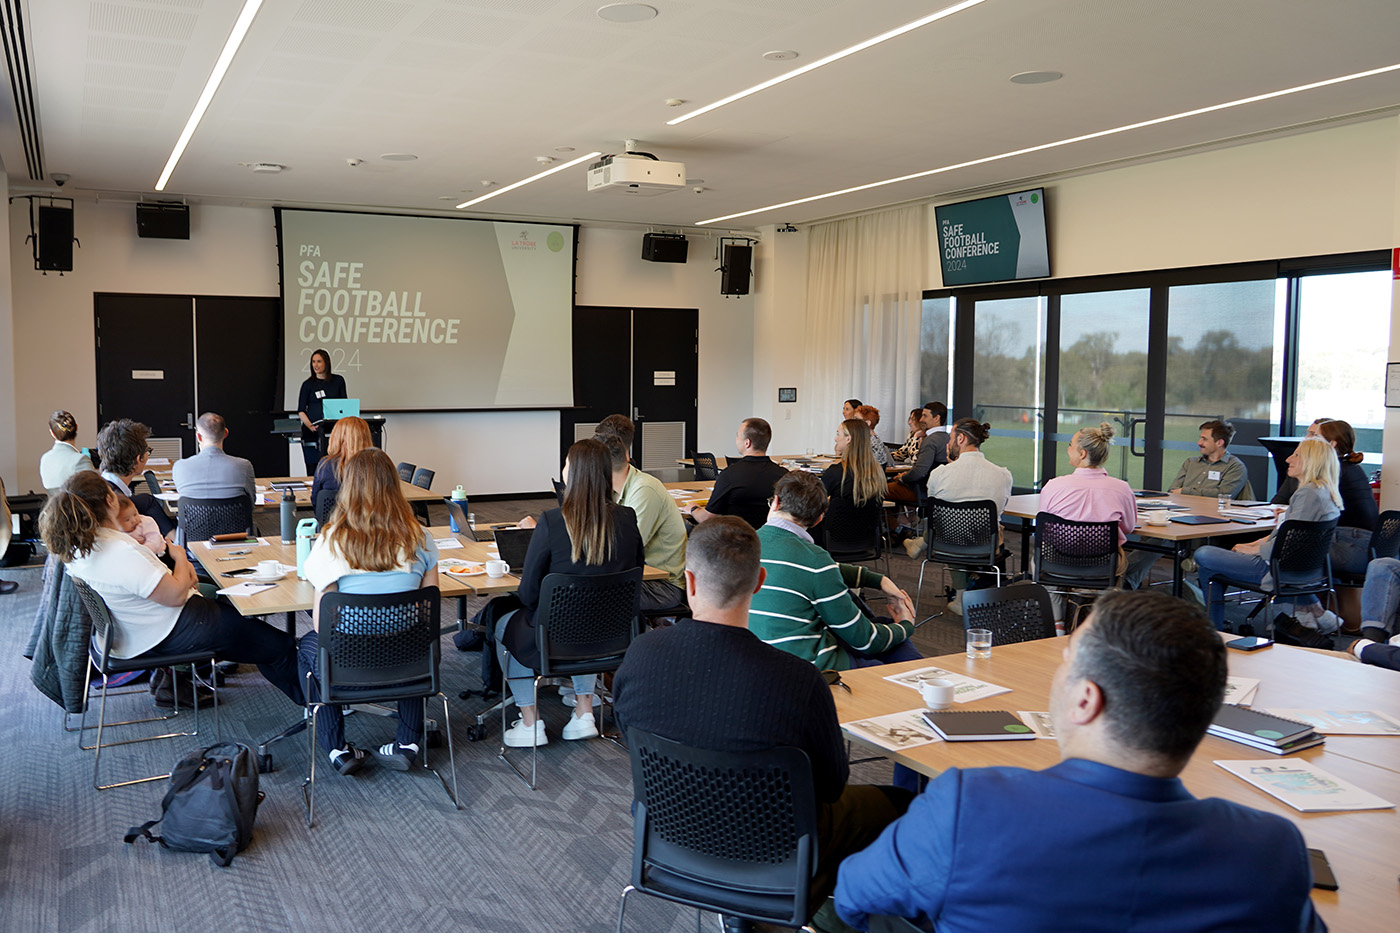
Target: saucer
[265,578]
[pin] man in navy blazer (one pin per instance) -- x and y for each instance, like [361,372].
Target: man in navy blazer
[211,473]
[1109,839]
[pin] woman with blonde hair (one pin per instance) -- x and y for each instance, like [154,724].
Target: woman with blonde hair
[857,477]
[372,544]
[1314,465]
[588,534]
[348,437]
[1089,494]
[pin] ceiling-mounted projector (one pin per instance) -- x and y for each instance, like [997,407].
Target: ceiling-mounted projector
[636,175]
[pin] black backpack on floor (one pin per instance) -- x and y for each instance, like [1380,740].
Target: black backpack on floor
[212,802]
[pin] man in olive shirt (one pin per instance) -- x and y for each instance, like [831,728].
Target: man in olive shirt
[658,518]
[1216,472]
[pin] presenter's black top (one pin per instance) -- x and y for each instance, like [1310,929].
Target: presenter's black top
[743,489]
[314,391]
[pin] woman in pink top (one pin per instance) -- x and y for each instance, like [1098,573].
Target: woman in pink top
[1089,494]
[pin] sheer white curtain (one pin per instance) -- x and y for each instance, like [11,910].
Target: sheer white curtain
[864,295]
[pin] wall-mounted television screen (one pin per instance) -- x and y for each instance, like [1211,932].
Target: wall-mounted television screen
[995,239]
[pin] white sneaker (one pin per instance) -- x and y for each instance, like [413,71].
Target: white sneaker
[955,605]
[568,697]
[581,727]
[520,735]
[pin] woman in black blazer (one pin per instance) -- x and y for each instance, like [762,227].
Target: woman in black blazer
[588,534]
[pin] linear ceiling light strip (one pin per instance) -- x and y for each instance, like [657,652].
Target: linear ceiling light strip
[22,88]
[833,57]
[235,39]
[526,181]
[1065,142]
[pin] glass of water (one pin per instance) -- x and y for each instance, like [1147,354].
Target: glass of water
[1223,503]
[979,643]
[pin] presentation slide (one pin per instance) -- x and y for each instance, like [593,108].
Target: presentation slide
[430,313]
[994,239]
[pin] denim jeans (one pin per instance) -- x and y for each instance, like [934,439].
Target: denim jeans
[1380,597]
[1351,549]
[330,724]
[1218,561]
[521,679]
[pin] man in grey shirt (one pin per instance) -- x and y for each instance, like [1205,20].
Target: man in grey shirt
[211,473]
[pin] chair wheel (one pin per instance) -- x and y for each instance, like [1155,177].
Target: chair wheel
[265,764]
[476,733]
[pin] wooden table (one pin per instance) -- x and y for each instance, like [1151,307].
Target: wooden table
[292,595]
[701,487]
[1363,846]
[1168,540]
[272,500]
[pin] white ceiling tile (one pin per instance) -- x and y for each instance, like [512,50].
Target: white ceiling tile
[132,20]
[325,43]
[359,15]
[111,75]
[449,25]
[134,51]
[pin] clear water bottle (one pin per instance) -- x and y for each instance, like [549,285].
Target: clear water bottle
[306,530]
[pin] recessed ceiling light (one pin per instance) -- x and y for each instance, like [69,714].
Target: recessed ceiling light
[835,56]
[780,55]
[627,12]
[563,148]
[399,157]
[526,181]
[235,39]
[1227,105]
[1036,77]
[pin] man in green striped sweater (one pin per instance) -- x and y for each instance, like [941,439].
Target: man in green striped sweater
[805,605]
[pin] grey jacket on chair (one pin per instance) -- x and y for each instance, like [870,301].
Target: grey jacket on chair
[59,643]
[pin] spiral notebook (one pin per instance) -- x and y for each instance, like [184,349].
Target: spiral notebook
[977,725]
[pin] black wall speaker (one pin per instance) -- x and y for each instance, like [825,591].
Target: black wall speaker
[734,270]
[163,221]
[56,239]
[664,247]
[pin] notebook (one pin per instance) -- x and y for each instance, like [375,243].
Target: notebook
[1251,725]
[512,544]
[977,725]
[1199,520]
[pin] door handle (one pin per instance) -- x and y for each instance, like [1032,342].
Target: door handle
[189,420]
[1132,436]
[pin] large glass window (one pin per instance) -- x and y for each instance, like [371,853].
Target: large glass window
[1103,374]
[1221,364]
[1343,321]
[1008,373]
[935,348]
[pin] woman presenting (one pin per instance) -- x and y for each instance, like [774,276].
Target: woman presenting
[319,386]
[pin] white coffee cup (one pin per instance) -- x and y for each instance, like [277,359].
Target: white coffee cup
[269,568]
[1157,519]
[937,694]
[496,568]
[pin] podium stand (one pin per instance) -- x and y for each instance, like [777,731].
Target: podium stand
[376,433]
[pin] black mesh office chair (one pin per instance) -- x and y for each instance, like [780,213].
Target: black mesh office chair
[1385,542]
[730,832]
[853,533]
[324,505]
[962,535]
[1011,613]
[1072,555]
[100,651]
[583,625]
[1300,564]
[706,466]
[406,471]
[559,490]
[201,519]
[377,649]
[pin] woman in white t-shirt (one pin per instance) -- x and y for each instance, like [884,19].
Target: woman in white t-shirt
[155,608]
[372,544]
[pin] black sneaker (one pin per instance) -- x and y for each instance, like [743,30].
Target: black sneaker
[396,757]
[163,690]
[350,760]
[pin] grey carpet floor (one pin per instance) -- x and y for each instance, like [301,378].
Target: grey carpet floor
[388,851]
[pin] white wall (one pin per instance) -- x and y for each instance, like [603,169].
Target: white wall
[232,251]
[1330,191]
[8,377]
[780,318]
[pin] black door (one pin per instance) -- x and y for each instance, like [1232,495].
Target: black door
[602,372]
[665,385]
[145,363]
[238,353]
[643,363]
